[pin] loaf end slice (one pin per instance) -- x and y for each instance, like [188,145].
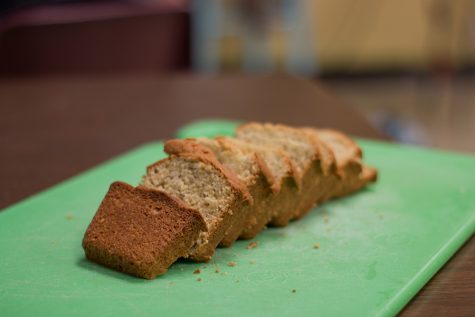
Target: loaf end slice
[141,231]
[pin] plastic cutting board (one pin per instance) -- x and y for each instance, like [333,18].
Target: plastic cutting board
[377,247]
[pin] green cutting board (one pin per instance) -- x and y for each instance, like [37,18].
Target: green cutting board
[377,247]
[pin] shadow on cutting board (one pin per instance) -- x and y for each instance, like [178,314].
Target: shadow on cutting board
[83,263]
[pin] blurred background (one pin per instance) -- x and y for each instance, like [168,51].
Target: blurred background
[405,65]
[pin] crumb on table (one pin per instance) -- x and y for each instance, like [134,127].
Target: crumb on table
[231,263]
[199,279]
[316,246]
[294,290]
[197,271]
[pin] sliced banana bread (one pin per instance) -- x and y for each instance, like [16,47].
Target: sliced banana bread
[201,182]
[351,172]
[141,231]
[212,191]
[304,157]
[276,165]
[243,164]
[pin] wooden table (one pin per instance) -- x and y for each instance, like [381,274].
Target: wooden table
[52,129]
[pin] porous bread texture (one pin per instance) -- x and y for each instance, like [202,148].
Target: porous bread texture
[243,164]
[275,164]
[292,141]
[141,231]
[304,157]
[241,159]
[201,186]
[192,150]
[273,161]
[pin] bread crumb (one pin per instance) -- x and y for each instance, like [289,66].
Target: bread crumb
[70,216]
[316,246]
[252,245]
[294,290]
[171,283]
[199,279]
[216,271]
[252,262]
[231,263]
[197,271]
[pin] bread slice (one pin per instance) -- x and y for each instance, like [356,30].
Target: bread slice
[277,168]
[141,231]
[244,165]
[197,178]
[352,174]
[304,158]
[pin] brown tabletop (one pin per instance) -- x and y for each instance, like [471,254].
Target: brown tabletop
[51,129]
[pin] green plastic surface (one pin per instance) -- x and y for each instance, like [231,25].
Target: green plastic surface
[377,248]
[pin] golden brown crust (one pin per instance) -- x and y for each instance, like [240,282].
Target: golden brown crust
[327,158]
[278,209]
[356,152]
[204,252]
[344,138]
[351,174]
[141,231]
[260,190]
[297,172]
[270,178]
[230,143]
